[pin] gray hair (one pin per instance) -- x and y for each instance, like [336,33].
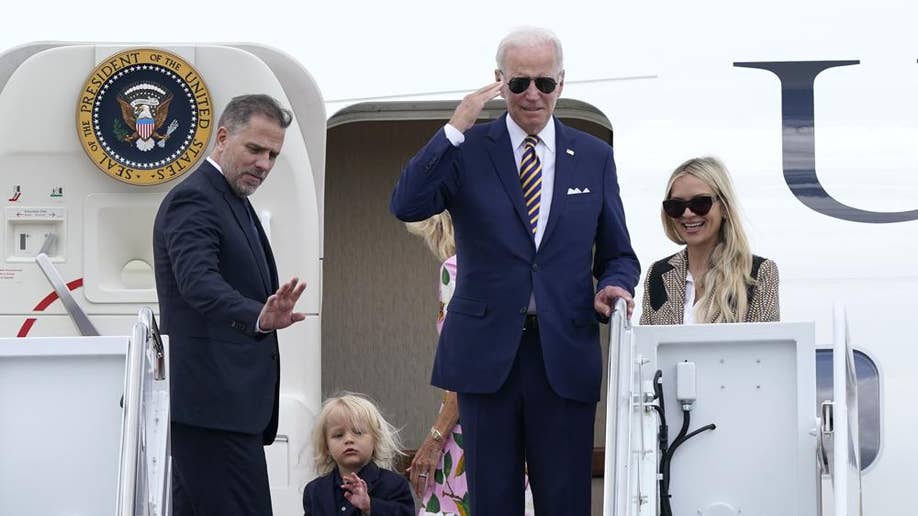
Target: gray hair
[240,110]
[529,37]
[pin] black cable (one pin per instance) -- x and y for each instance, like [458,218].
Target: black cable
[680,438]
[693,433]
[660,407]
[665,508]
[658,386]
[663,429]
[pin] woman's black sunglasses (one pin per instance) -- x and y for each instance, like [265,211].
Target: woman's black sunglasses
[520,84]
[700,205]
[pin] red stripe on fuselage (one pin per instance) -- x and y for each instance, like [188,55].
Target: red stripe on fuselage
[44,303]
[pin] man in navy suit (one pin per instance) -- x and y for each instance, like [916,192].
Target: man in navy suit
[536,208]
[220,304]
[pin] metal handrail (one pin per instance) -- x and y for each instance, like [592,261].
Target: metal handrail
[145,364]
[130,422]
[82,322]
[618,394]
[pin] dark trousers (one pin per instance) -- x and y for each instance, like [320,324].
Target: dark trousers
[525,421]
[215,472]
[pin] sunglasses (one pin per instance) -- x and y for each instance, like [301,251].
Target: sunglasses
[520,84]
[700,205]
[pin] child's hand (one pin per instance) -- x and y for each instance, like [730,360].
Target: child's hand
[355,490]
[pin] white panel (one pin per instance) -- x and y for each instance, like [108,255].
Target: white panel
[756,383]
[290,464]
[748,391]
[118,230]
[61,422]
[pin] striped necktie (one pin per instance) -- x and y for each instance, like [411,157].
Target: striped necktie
[531,179]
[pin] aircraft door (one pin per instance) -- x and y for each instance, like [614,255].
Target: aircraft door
[839,439]
[95,137]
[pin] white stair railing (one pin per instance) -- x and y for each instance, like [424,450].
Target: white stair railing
[144,466]
[616,475]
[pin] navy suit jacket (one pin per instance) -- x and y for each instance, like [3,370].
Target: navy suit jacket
[389,494]
[212,284]
[499,265]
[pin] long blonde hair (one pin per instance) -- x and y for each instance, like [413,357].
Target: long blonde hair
[437,232]
[364,416]
[725,283]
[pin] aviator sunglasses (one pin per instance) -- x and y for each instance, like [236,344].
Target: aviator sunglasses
[520,84]
[700,205]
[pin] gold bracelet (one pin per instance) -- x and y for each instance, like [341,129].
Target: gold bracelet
[436,435]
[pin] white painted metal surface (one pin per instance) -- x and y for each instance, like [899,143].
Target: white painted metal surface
[60,425]
[621,404]
[756,383]
[846,470]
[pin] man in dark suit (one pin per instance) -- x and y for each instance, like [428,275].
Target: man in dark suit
[535,206]
[220,304]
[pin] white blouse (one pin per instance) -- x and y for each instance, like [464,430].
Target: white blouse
[688,311]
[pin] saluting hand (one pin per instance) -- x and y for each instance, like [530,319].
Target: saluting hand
[278,310]
[468,110]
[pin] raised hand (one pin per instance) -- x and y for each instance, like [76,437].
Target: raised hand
[355,490]
[468,110]
[278,310]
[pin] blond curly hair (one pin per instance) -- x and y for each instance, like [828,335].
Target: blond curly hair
[363,415]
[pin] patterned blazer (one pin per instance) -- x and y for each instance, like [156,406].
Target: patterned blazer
[664,291]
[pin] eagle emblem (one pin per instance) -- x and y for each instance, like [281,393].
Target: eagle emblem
[145,108]
[140,121]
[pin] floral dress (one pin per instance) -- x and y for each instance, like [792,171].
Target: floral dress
[448,494]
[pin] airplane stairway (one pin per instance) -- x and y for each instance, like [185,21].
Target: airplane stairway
[84,424]
[750,440]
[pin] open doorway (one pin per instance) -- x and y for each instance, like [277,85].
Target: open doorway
[380,282]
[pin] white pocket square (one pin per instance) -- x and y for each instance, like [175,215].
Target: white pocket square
[577,191]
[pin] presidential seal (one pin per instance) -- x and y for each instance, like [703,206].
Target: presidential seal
[144,116]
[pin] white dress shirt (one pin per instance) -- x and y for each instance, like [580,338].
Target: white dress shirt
[688,311]
[545,150]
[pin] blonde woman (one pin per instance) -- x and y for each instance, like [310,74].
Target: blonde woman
[437,471]
[716,278]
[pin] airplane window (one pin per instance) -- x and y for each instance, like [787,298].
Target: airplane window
[868,399]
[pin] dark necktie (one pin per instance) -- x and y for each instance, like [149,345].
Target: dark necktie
[253,226]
